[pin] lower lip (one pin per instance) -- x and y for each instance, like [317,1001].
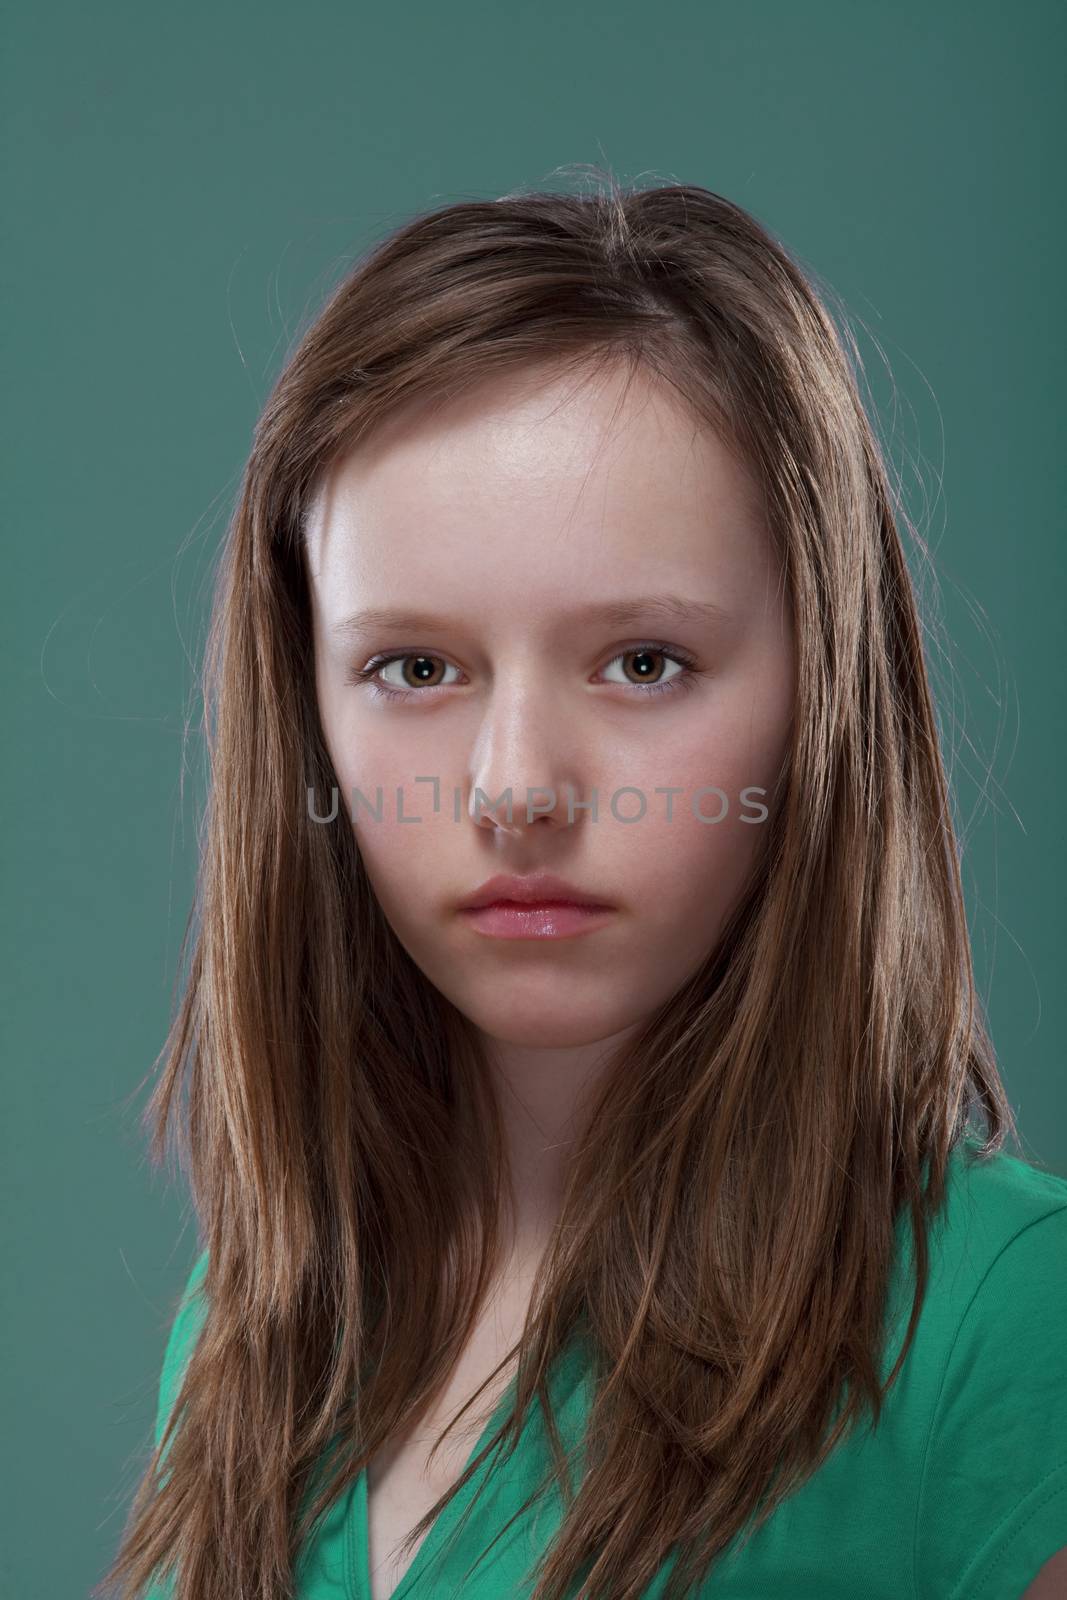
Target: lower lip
[551,920]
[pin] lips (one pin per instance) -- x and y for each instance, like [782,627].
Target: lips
[536,889]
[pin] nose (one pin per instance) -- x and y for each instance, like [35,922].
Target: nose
[522,772]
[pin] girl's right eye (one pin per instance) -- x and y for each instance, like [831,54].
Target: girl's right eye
[425,669]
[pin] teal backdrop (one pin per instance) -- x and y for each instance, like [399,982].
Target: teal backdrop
[182,185]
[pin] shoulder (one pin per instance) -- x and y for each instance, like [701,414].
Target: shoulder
[1001,1226]
[185,1327]
[992,1199]
[993,1490]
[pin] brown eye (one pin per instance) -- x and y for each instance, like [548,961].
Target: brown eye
[645,667]
[420,672]
[410,673]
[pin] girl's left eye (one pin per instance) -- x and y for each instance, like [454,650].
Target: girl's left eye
[428,677]
[684,678]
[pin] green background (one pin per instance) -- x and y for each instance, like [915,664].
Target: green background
[182,186]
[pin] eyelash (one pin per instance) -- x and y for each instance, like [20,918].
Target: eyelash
[681,681]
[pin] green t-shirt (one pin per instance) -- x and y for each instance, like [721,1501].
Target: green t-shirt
[959,1494]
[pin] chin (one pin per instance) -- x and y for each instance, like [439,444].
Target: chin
[550,1025]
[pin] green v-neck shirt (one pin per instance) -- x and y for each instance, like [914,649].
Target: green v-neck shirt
[959,1494]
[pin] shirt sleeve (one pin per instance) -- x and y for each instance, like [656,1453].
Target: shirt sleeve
[186,1326]
[181,1341]
[993,1495]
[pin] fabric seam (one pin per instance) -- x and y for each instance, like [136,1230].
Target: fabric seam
[920,1494]
[1031,1514]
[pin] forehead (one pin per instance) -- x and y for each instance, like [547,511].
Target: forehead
[541,479]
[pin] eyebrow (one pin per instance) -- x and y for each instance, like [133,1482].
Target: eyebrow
[668,607]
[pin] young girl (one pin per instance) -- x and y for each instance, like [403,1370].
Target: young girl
[579,1051]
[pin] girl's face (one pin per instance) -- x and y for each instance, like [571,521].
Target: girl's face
[499,529]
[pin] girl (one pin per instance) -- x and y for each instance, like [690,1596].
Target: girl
[579,1043]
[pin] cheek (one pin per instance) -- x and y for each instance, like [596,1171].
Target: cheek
[404,865]
[375,752]
[368,769]
[685,874]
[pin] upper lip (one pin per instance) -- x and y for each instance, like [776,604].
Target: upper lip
[536,888]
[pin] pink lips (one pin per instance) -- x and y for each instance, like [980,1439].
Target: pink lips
[539,906]
[558,921]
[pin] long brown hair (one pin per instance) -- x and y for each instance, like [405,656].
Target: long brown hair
[728,1226]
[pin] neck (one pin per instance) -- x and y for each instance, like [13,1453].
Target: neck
[543,1095]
